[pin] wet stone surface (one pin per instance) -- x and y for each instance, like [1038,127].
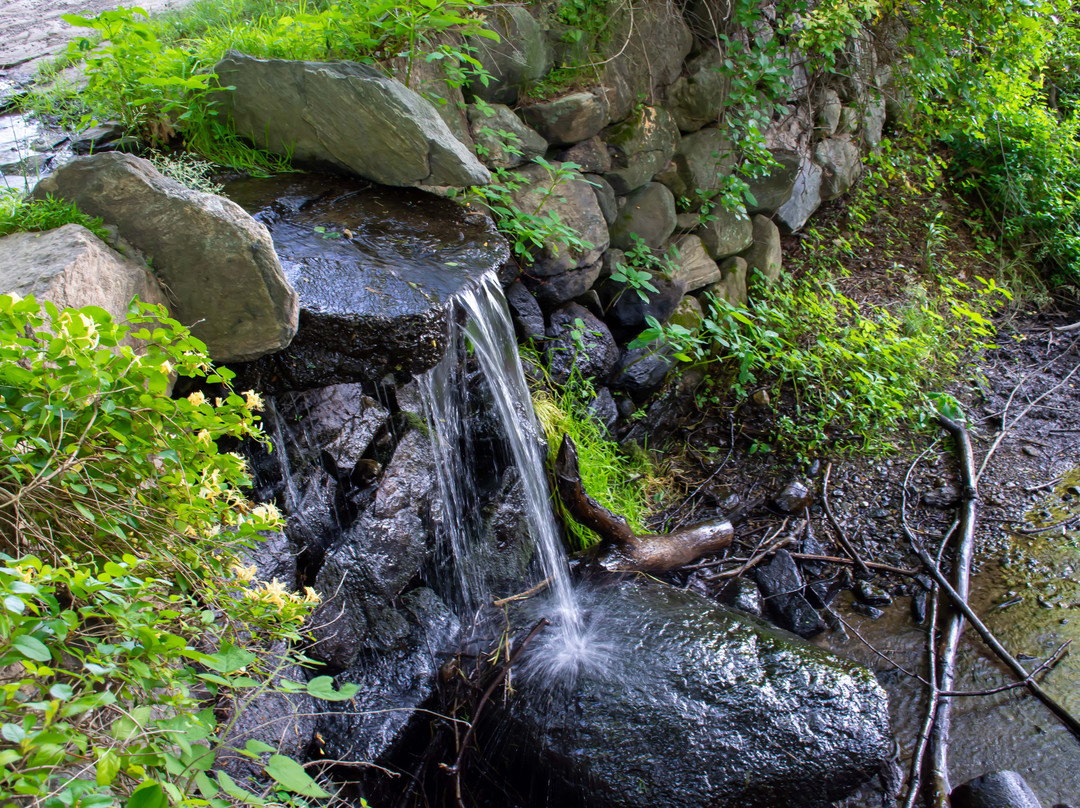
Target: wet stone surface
[376,270]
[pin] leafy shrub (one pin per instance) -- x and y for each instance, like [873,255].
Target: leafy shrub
[128,619]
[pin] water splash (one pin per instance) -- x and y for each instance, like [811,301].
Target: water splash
[490,334]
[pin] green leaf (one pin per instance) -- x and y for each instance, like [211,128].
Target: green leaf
[206,785]
[149,795]
[13,733]
[230,659]
[233,790]
[32,648]
[322,687]
[61,691]
[257,747]
[108,766]
[292,777]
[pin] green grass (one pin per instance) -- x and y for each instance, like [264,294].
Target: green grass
[624,485]
[19,213]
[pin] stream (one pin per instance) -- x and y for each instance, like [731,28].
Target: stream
[1030,600]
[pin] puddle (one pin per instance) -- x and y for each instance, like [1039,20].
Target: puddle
[1030,600]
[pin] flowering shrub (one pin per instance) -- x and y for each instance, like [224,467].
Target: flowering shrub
[126,613]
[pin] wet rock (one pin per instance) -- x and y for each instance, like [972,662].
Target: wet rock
[696,98]
[765,254]
[273,558]
[918,607]
[576,205]
[701,162]
[520,56]
[775,188]
[570,118]
[693,266]
[649,213]
[576,338]
[726,713]
[346,115]
[71,267]
[218,263]
[782,584]
[746,597]
[92,139]
[394,685]
[500,560]
[1002,789]
[375,559]
[640,147]
[376,270]
[502,140]
[871,595]
[627,314]
[805,198]
[944,496]
[525,312]
[866,610]
[641,370]
[728,232]
[793,497]
[285,721]
[558,289]
[337,422]
[603,408]
[590,155]
[842,165]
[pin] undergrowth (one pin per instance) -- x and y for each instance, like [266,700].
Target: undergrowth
[19,213]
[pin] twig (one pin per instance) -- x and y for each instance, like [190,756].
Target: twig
[1033,531]
[1064,329]
[455,770]
[932,701]
[753,562]
[1056,480]
[528,593]
[851,563]
[840,535]
[1046,667]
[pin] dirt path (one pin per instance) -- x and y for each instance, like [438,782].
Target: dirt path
[31,30]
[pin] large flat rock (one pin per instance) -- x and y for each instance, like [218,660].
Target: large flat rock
[376,270]
[346,115]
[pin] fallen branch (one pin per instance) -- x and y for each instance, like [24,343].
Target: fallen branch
[850,562]
[528,593]
[753,562]
[840,535]
[621,550]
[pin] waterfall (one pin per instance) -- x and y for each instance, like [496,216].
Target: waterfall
[490,335]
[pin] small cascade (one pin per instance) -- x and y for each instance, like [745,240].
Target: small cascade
[490,334]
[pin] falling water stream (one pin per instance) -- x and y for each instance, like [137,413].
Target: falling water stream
[490,335]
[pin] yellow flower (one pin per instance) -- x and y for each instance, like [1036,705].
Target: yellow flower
[275,592]
[197,398]
[252,400]
[266,512]
[311,596]
[166,368]
[203,437]
[242,573]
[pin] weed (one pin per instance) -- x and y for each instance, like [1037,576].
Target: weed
[21,213]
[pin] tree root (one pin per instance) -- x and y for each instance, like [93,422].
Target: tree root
[621,550]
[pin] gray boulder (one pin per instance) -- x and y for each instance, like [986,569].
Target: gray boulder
[525,312]
[644,54]
[695,99]
[346,115]
[1002,789]
[627,310]
[700,164]
[217,263]
[641,370]
[727,713]
[805,197]
[578,339]
[71,267]
[605,197]
[520,56]
[574,202]
[775,188]
[502,140]
[693,265]
[828,113]
[841,163]
[569,118]
[765,255]
[873,120]
[649,213]
[732,286]
[640,146]
[726,233]
[590,155]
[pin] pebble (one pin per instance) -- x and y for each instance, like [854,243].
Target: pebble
[869,611]
[871,595]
